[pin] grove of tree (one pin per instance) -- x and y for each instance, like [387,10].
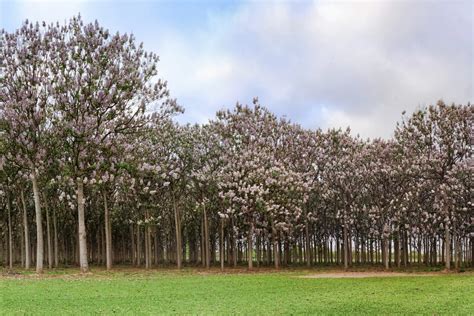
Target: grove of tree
[95,170]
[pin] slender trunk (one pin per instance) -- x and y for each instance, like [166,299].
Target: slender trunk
[132,240]
[48,233]
[258,250]
[234,251]
[22,249]
[10,237]
[206,239]
[139,247]
[234,245]
[250,247]
[222,245]
[108,234]
[177,222]
[397,247]
[39,225]
[157,248]
[50,242]
[447,248]
[472,251]
[228,248]
[268,260]
[276,256]
[148,234]
[345,247]
[386,253]
[307,241]
[419,251]
[147,244]
[26,231]
[82,227]
[203,245]
[55,233]
[456,252]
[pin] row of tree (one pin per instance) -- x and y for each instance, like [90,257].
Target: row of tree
[94,169]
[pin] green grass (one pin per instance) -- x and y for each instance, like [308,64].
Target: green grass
[190,292]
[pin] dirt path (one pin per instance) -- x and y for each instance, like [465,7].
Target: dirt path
[340,275]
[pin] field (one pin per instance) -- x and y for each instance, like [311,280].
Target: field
[194,291]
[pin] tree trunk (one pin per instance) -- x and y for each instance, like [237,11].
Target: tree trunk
[206,239]
[457,252]
[147,246]
[396,247]
[276,256]
[177,222]
[345,248]
[472,251]
[139,247]
[55,232]
[10,237]
[419,251]
[108,233]
[26,231]
[386,253]
[250,247]
[258,250]
[148,234]
[157,248]
[222,245]
[307,246]
[82,227]
[203,244]
[447,248]
[39,225]
[132,240]
[48,234]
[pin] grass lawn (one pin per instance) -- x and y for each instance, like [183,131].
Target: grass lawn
[128,291]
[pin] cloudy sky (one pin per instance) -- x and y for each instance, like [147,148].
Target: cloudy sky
[321,64]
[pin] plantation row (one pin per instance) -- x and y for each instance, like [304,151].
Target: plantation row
[94,169]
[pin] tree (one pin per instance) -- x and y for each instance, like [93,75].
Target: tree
[102,84]
[25,66]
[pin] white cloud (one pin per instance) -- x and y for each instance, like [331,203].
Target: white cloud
[323,64]
[365,61]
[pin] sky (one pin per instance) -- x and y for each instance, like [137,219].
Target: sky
[322,64]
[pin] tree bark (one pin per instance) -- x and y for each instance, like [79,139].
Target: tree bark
[84,264]
[457,252]
[222,245]
[345,247]
[55,229]
[276,256]
[139,247]
[10,237]
[472,251]
[307,246]
[206,239]
[447,248]
[108,233]
[386,253]
[147,246]
[250,247]
[148,233]
[177,222]
[26,231]
[39,225]
[132,240]
[48,233]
